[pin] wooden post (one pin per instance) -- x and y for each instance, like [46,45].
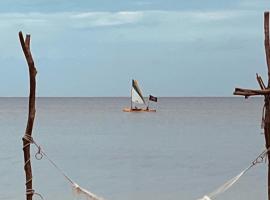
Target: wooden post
[265,91]
[267,108]
[31,115]
[266,43]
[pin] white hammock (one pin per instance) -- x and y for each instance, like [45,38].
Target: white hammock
[224,187]
[79,191]
[232,181]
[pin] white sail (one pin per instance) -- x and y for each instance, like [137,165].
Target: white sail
[135,97]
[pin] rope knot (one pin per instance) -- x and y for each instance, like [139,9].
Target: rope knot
[28,138]
[261,158]
[32,192]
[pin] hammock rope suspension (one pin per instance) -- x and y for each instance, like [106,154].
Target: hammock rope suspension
[91,196]
[76,188]
[260,159]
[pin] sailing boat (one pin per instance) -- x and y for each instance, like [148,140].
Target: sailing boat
[137,98]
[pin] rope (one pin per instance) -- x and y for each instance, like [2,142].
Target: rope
[29,139]
[39,155]
[78,189]
[232,181]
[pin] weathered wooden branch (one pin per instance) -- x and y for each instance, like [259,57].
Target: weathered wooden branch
[267,43]
[267,97]
[260,81]
[31,114]
[250,92]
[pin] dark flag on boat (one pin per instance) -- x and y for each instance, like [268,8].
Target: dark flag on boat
[152,98]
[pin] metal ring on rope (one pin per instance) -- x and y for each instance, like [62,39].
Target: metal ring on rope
[39,154]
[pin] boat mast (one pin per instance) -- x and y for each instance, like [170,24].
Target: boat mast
[131,98]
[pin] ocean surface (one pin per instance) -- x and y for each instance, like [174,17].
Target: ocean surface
[185,150]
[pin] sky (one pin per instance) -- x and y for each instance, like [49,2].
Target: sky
[95,48]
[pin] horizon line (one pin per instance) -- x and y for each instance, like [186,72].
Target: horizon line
[232,96]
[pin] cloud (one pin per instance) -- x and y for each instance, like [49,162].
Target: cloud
[199,16]
[109,19]
[134,26]
[95,19]
[157,26]
[166,42]
[213,15]
[70,19]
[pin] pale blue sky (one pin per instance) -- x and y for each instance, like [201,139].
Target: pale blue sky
[95,48]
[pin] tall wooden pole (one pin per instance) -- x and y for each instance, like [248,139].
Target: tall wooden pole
[31,115]
[267,97]
[265,91]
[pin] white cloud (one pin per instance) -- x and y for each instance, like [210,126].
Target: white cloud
[160,40]
[94,19]
[70,19]
[135,26]
[198,16]
[103,19]
[214,15]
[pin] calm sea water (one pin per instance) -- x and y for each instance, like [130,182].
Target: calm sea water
[185,150]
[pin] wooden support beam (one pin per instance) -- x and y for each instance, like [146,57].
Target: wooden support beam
[250,92]
[31,114]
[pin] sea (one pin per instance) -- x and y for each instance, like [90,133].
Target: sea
[187,149]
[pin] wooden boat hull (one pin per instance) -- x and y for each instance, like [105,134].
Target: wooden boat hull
[138,110]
